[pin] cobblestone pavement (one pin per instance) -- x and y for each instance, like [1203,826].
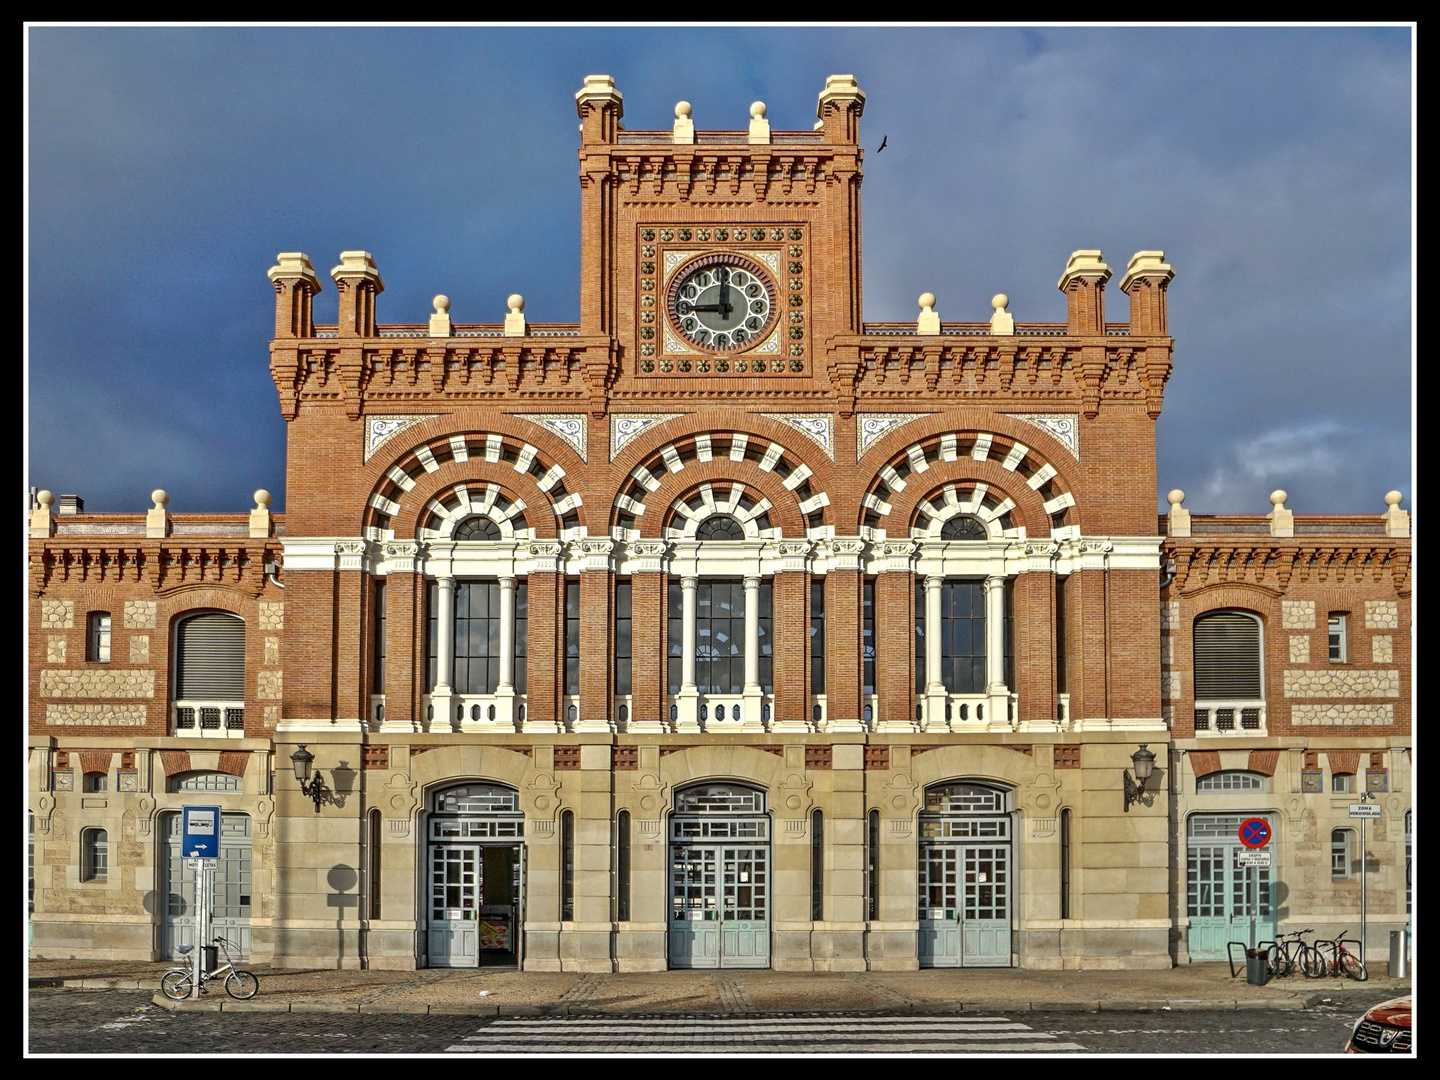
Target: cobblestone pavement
[76,1022]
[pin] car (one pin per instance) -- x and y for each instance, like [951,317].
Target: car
[1384,1029]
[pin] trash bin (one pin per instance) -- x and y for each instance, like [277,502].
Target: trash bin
[1257,966]
[1400,954]
[211,958]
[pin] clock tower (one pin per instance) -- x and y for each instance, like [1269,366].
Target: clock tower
[720,262]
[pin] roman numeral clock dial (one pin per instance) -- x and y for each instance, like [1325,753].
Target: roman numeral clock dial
[722,303]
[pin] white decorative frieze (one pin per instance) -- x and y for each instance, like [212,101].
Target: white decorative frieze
[1063,426]
[379,429]
[674,345]
[572,427]
[819,427]
[624,427]
[770,344]
[871,427]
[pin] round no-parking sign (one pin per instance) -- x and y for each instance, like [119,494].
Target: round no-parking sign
[1254,832]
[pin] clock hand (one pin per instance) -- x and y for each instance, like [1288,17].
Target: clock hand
[724,306]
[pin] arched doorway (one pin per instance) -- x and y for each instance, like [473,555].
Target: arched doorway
[719,877]
[475,877]
[966,876]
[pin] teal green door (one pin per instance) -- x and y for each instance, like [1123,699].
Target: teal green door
[1225,902]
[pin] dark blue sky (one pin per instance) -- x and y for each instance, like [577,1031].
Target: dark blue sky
[167,166]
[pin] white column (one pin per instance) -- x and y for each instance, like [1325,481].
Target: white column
[752,634]
[445,634]
[507,634]
[754,701]
[936,696]
[687,701]
[687,637]
[996,692]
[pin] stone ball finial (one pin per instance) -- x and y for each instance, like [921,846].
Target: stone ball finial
[1278,497]
[442,304]
[757,110]
[927,300]
[1392,498]
[45,498]
[682,110]
[1176,497]
[516,303]
[1000,301]
[262,499]
[159,497]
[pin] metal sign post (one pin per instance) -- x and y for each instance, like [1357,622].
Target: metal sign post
[1364,811]
[200,843]
[1254,834]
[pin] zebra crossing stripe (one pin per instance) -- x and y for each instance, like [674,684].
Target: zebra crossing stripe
[814,1035]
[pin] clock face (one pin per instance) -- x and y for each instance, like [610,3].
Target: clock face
[722,303]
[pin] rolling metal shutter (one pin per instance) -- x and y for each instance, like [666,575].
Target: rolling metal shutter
[1227,657]
[210,658]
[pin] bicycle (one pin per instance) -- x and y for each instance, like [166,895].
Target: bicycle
[242,985]
[1287,957]
[1339,961]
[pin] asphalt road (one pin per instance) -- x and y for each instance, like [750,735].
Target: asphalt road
[72,1022]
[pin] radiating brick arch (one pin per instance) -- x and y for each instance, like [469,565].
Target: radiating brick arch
[744,450]
[988,456]
[456,452]
[474,498]
[747,505]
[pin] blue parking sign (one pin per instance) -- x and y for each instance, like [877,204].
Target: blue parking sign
[200,832]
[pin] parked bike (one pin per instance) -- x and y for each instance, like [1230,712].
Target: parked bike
[177,983]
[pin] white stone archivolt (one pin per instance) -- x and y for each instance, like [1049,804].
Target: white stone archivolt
[747,508]
[572,427]
[474,500]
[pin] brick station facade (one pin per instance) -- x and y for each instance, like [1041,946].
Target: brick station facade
[721,628]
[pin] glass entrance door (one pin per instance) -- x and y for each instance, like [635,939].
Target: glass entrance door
[475,913]
[964,880]
[720,906]
[1222,896]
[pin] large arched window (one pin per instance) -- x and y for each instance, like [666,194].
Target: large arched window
[1229,688]
[210,675]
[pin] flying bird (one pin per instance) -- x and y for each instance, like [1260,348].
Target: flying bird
[883,141]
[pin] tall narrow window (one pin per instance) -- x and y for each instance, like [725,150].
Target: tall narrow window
[622,636]
[720,636]
[1065,864]
[872,866]
[522,623]
[567,866]
[1341,841]
[817,635]
[622,866]
[1336,634]
[675,634]
[377,684]
[432,633]
[867,637]
[95,855]
[919,635]
[572,635]
[99,637]
[477,637]
[375,870]
[1008,594]
[1061,686]
[767,636]
[962,636]
[817,866]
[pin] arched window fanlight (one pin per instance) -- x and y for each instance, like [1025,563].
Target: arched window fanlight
[477,528]
[720,527]
[964,527]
